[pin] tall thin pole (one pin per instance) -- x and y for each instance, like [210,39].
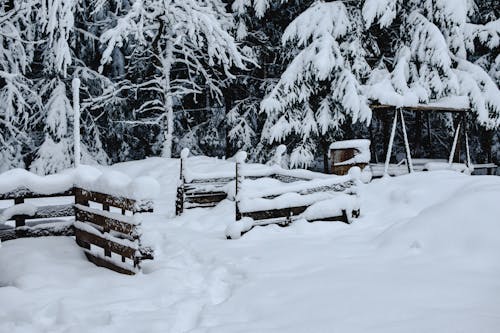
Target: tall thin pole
[391,141]
[454,146]
[76,119]
[407,144]
[467,149]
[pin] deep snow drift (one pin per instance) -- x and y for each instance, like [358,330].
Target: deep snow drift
[423,257]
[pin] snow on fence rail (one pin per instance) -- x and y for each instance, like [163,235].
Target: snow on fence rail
[204,183]
[111,239]
[117,234]
[51,218]
[264,200]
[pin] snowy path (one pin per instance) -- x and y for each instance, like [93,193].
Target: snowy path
[419,260]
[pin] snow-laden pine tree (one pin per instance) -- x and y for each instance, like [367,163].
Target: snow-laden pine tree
[55,153]
[18,102]
[183,39]
[320,89]
[259,26]
[56,27]
[432,60]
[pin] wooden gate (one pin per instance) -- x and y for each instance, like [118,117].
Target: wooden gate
[110,234]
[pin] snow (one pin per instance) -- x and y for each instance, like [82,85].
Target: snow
[185,153]
[105,181]
[422,257]
[19,178]
[432,166]
[284,200]
[134,220]
[202,167]
[361,144]
[263,187]
[240,157]
[19,209]
[108,236]
[236,229]
[331,207]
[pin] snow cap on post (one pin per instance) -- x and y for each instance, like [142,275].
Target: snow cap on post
[354,173]
[240,157]
[75,84]
[185,153]
[280,150]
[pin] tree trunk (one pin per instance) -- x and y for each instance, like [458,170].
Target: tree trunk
[168,122]
[325,148]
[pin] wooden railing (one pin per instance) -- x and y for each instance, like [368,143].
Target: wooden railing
[106,226]
[207,192]
[111,238]
[49,218]
[283,216]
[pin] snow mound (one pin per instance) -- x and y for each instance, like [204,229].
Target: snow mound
[465,224]
[236,229]
[119,184]
[361,144]
[19,178]
[87,177]
[331,207]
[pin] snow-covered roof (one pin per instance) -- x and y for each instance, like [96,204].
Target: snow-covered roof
[446,104]
[362,144]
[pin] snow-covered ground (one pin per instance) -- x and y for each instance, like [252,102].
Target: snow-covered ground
[423,257]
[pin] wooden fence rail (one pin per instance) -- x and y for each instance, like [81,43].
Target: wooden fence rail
[49,217]
[285,215]
[111,239]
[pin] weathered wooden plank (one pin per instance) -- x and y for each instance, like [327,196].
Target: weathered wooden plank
[197,205]
[104,243]
[83,196]
[341,218]
[101,262]
[45,212]
[106,222]
[286,178]
[212,180]
[28,194]
[274,213]
[206,198]
[52,229]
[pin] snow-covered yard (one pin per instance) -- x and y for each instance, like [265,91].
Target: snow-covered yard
[423,257]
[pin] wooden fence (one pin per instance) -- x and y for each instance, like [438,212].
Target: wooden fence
[111,239]
[110,233]
[207,192]
[47,220]
[284,216]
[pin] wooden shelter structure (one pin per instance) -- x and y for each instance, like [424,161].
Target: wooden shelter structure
[460,137]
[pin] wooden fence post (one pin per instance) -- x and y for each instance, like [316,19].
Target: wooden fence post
[20,219]
[179,202]
[240,159]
